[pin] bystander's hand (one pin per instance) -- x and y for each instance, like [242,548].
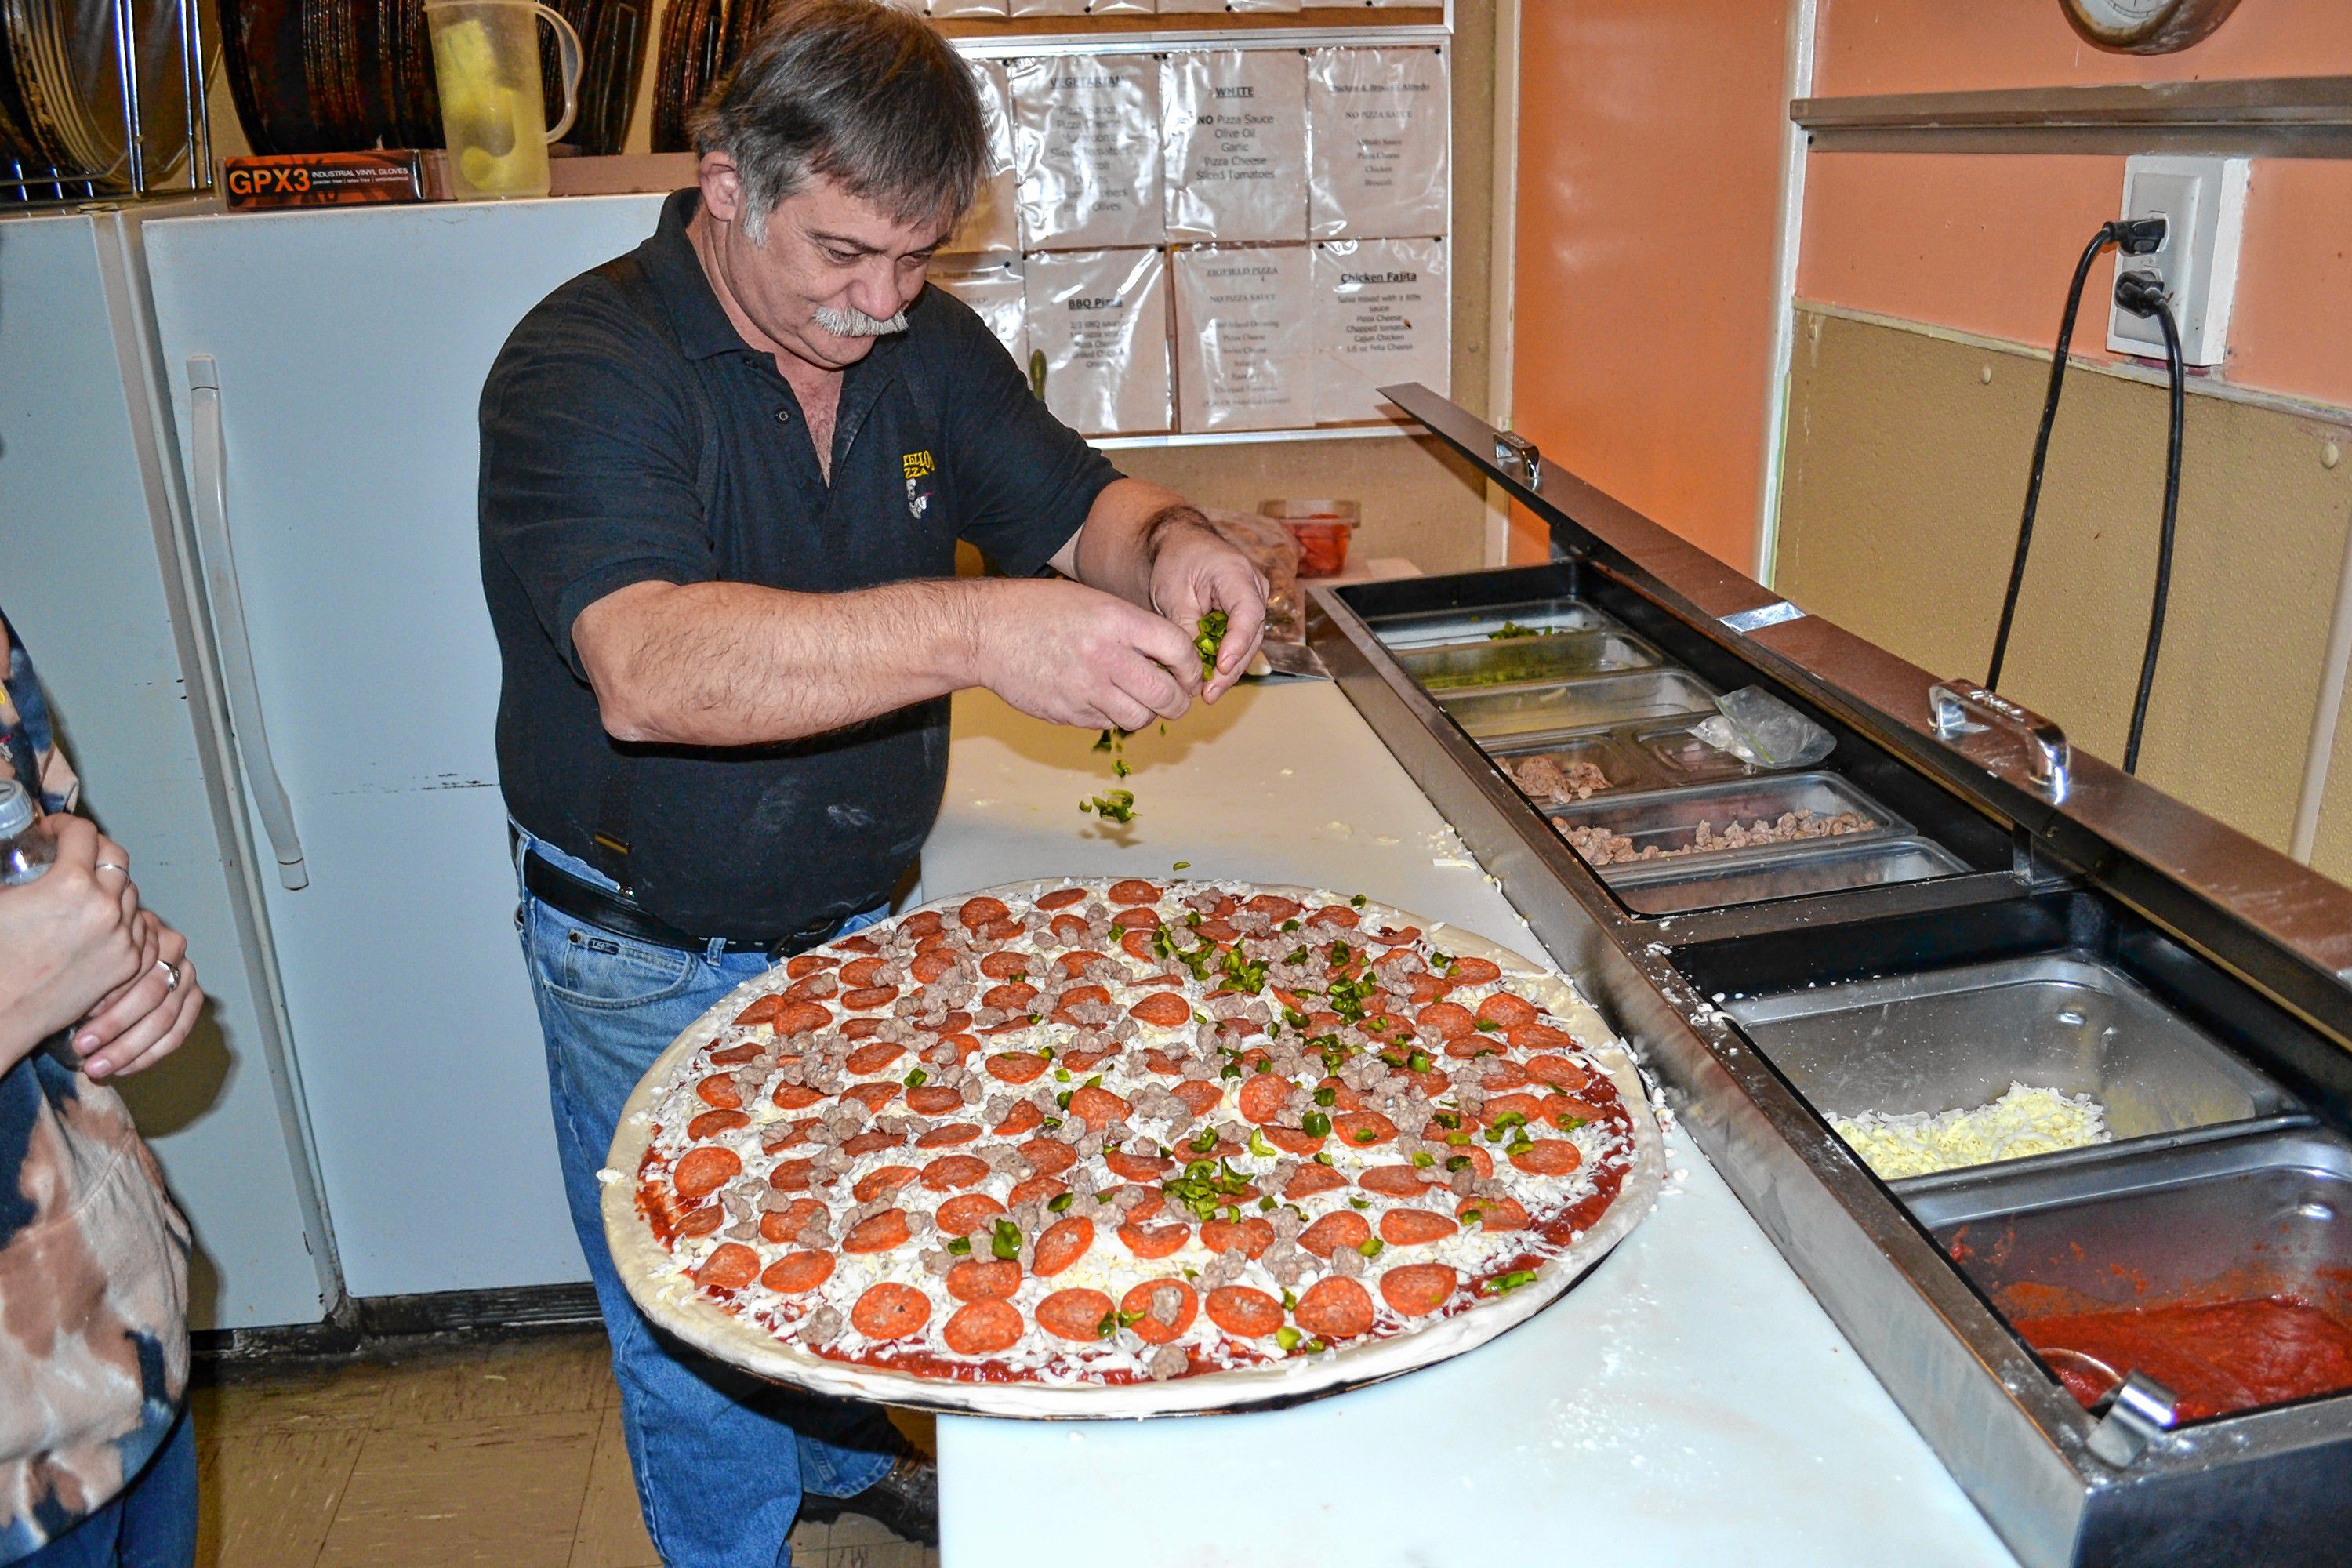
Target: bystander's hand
[1074,655]
[1194,571]
[139,1024]
[67,940]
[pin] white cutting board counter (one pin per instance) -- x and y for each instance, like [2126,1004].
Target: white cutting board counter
[1686,1403]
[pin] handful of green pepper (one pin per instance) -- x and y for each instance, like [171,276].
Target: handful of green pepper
[1209,638]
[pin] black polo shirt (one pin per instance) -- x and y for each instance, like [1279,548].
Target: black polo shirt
[630,435]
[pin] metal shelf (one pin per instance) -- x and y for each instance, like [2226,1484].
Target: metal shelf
[2273,117]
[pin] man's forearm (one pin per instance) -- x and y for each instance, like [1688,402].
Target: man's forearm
[729,664]
[1114,551]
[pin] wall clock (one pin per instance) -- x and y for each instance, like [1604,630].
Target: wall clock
[2146,26]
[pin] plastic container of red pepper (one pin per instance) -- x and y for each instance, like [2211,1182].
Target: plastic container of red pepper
[1321,527]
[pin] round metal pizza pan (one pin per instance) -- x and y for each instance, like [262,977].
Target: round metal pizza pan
[670,1300]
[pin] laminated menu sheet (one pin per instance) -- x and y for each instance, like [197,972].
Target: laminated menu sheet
[1376,133]
[968,8]
[1085,141]
[1100,317]
[1244,337]
[992,287]
[1237,161]
[1124,7]
[993,223]
[1380,318]
[1049,7]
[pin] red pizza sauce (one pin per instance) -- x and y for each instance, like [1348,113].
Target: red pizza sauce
[2219,1358]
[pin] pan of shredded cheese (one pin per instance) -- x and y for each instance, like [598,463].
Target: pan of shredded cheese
[2024,1121]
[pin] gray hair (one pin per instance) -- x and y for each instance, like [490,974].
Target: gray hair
[868,96]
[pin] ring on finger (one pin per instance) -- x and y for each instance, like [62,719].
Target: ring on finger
[111,865]
[171,974]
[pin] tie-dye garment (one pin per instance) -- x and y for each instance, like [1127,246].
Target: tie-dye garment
[93,1257]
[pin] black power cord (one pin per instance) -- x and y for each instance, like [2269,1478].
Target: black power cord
[2142,293]
[2137,236]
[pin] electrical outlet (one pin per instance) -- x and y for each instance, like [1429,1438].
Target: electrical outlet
[2203,203]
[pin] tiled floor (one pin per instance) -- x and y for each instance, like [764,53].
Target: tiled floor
[506,1457]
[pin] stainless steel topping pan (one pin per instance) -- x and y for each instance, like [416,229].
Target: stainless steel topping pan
[1425,628]
[1560,707]
[1643,756]
[1668,820]
[1484,666]
[1821,866]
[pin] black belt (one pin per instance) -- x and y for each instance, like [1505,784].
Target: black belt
[583,900]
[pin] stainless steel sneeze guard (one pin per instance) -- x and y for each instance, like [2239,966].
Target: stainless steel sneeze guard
[2233,936]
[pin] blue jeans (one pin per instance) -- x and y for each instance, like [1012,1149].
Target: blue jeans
[151,1523]
[721,1458]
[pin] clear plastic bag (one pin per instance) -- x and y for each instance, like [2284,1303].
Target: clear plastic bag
[1757,727]
[1273,551]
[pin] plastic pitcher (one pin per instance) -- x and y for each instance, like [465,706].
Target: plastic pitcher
[493,111]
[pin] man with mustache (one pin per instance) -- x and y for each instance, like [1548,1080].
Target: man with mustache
[722,482]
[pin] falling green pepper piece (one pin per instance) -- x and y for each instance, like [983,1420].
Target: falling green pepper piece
[1112,805]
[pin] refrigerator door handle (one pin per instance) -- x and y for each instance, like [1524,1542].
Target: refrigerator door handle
[209,455]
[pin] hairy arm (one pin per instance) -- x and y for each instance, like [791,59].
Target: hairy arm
[1151,547]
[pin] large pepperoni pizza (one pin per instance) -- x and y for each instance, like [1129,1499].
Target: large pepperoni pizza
[1127,1147]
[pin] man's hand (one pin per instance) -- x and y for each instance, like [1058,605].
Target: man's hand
[72,939]
[1194,571]
[140,1024]
[1072,655]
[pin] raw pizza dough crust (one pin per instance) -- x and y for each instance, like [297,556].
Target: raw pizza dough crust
[668,1296]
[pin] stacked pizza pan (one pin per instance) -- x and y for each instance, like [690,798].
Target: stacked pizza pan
[63,110]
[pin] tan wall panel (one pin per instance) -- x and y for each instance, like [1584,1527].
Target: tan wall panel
[1905,475]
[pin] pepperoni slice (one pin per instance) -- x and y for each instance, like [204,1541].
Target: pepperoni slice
[890,1311]
[879,1234]
[1393,1180]
[702,1172]
[983,1327]
[1163,1010]
[1004,964]
[1045,1189]
[702,1221]
[1069,931]
[964,1045]
[1024,1116]
[1064,1243]
[779,1226]
[949,1172]
[934,1100]
[711,1123]
[1148,1201]
[985,1278]
[1099,1107]
[882,1179]
[800,1017]
[1560,1072]
[1133,890]
[1417,1290]
[797,1271]
[788,1134]
[1414,1228]
[1012,997]
[1061,898]
[1492,1213]
[1449,1020]
[867,998]
[800,967]
[719,1091]
[731,1266]
[1274,907]
[856,944]
[1073,963]
[1549,1157]
[1252,1235]
[859,972]
[1334,1231]
[1137,945]
[1087,1061]
[1475,972]
[1048,1156]
[964,1214]
[866,1060]
[1506,1011]
[1362,1129]
[1425,987]
[1134,1168]
[922,922]
[948,1134]
[733,1056]
[794,1096]
[1078,996]
[762,1010]
[1333,914]
[860,1028]
[1002,930]
[1139,1303]
[1241,1310]
[1292,1140]
[1481,1164]
[1150,1241]
[870,1143]
[1261,1097]
[1497,1073]
[1015,1067]
[1334,1308]
[1137,919]
[873,1096]
[979,911]
[1311,1180]
[1199,1095]
[792,1176]
[1073,1314]
[1218,931]
[928,967]
[1527,1107]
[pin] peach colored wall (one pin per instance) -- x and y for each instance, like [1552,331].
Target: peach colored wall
[1986,243]
[1648,185]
